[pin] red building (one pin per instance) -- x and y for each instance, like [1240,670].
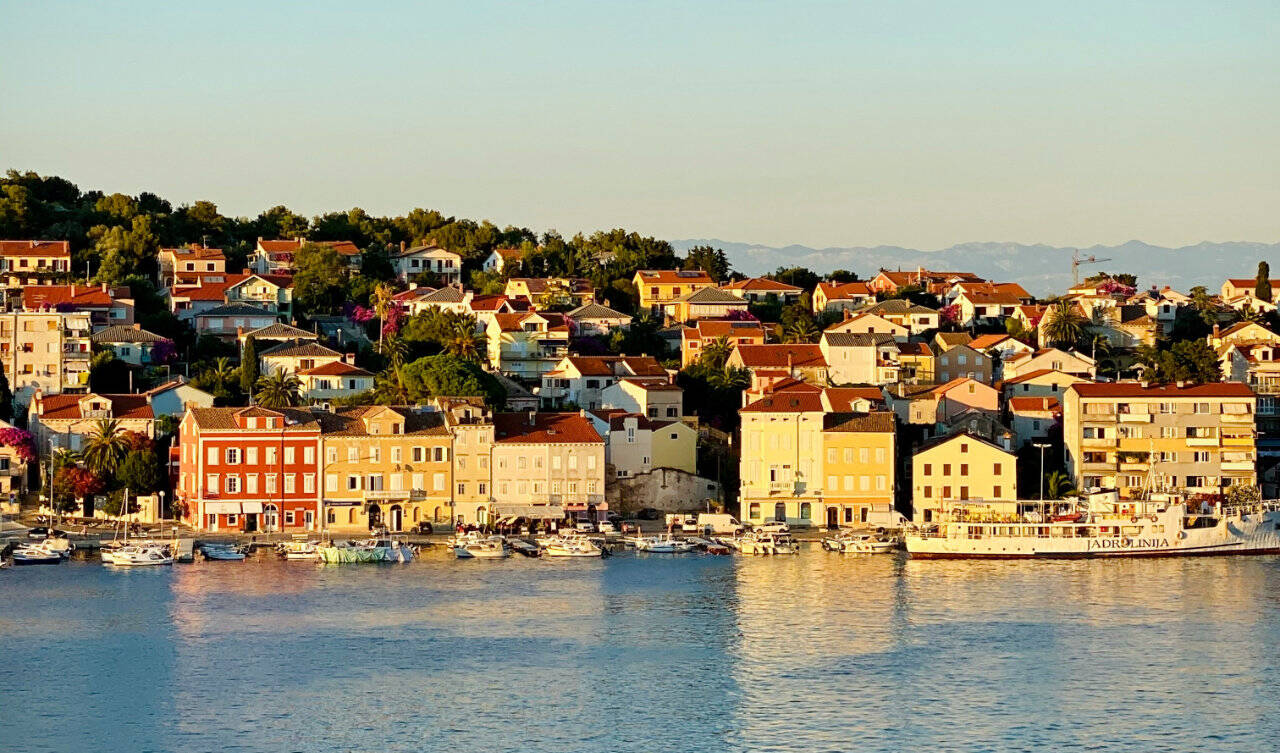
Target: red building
[249,469]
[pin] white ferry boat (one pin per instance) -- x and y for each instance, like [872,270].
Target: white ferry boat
[1104,526]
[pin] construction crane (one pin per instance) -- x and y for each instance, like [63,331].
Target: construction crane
[1076,261]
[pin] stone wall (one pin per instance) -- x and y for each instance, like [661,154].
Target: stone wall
[665,489]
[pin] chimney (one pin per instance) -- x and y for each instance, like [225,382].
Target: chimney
[413,286]
[1181,383]
[1215,331]
[137,325]
[239,332]
[789,363]
[73,293]
[105,288]
[402,247]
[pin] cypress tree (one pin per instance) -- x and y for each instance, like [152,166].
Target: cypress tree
[1262,291]
[249,366]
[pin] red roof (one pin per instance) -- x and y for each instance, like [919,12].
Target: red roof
[1135,389]
[195,251]
[845,290]
[515,322]
[288,247]
[713,328]
[36,297]
[547,428]
[335,368]
[35,248]
[781,355]
[841,398]
[762,284]
[67,407]
[1034,405]
[489,302]
[788,401]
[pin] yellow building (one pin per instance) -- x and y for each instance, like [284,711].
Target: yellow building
[1198,438]
[471,425]
[663,287]
[385,466]
[962,468]
[810,458]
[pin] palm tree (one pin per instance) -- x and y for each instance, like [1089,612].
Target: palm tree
[1058,485]
[383,295]
[464,343]
[1064,325]
[279,389]
[729,378]
[221,371]
[716,353]
[802,330]
[105,448]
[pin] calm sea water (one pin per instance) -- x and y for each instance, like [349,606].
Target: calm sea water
[820,652]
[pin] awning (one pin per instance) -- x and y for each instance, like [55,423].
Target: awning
[222,508]
[533,512]
[252,507]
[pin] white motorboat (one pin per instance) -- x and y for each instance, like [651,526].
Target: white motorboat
[860,543]
[765,542]
[663,544]
[474,546]
[299,550]
[141,556]
[36,554]
[572,545]
[222,552]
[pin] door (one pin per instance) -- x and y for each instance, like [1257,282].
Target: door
[250,522]
[780,511]
[396,518]
[375,517]
[270,518]
[833,517]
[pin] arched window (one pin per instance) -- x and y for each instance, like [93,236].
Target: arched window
[805,510]
[415,514]
[437,515]
[351,516]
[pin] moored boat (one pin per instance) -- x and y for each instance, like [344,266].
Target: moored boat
[475,546]
[141,556]
[860,542]
[35,554]
[1104,526]
[571,545]
[663,544]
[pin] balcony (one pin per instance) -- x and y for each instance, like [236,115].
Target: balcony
[1135,418]
[1202,441]
[1097,466]
[1098,442]
[1238,465]
[1238,441]
[1130,465]
[1237,418]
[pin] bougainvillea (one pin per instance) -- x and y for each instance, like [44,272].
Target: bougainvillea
[950,314]
[22,442]
[361,314]
[77,481]
[1112,287]
[394,320]
[741,316]
[163,352]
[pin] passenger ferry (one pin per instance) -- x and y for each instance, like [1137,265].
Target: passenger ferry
[1103,525]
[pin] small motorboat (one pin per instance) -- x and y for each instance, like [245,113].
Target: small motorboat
[860,543]
[473,546]
[299,550]
[663,544]
[571,545]
[36,554]
[222,552]
[141,556]
[370,550]
[766,542]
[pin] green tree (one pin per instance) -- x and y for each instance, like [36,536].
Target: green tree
[1184,361]
[1262,290]
[249,365]
[1058,485]
[711,260]
[105,447]
[446,375]
[716,353]
[140,472]
[279,389]
[1064,326]
[801,277]
[319,279]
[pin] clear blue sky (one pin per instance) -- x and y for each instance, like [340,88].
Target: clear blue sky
[841,123]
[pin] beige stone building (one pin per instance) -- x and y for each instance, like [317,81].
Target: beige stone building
[45,351]
[546,465]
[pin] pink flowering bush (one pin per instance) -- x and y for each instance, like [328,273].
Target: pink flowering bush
[395,319]
[950,314]
[23,443]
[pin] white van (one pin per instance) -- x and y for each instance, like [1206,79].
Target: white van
[719,523]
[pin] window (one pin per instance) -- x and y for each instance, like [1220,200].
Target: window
[831,454]
[211,483]
[864,483]
[753,511]
[290,483]
[288,517]
[232,518]
[395,454]
[251,456]
[928,469]
[233,484]
[213,456]
[417,454]
[309,483]
[331,482]
[946,492]
[271,483]
[437,481]
[251,483]
[462,489]
[290,456]
[309,455]
[271,456]
[805,510]
[928,492]
[997,491]
[964,469]
[353,483]
[946,469]
[438,454]
[964,492]
[375,454]
[964,447]
[233,456]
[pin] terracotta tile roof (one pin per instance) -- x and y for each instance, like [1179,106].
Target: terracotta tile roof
[789,401]
[289,247]
[294,350]
[982,342]
[281,331]
[915,349]
[539,285]
[998,297]
[899,306]
[835,291]
[489,302]
[58,249]
[1035,375]
[509,253]
[776,356]
[1135,389]
[761,284]
[841,398]
[856,339]
[349,422]
[296,419]
[875,421]
[67,407]
[951,339]
[37,297]
[195,251]
[713,328]
[208,291]
[515,322]
[995,288]
[706,296]
[642,366]
[1249,282]
[943,389]
[335,368]
[426,248]
[236,309]
[124,333]
[596,311]
[547,428]
[1034,405]
[652,384]
[674,276]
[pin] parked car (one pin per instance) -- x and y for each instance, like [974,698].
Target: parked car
[424,528]
[584,526]
[774,526]
[649,513]
[607,527]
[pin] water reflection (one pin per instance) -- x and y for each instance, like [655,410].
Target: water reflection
[639,653]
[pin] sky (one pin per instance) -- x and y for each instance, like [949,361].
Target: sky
[920,124]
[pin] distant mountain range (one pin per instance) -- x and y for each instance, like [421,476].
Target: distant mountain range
[1041,269]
